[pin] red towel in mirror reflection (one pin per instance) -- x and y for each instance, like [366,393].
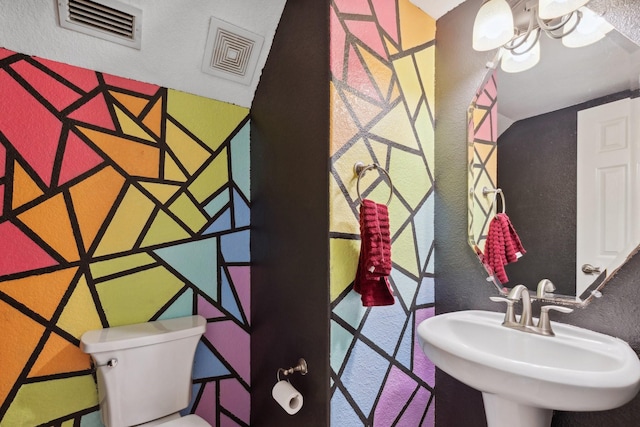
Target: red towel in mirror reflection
[374,264]
[503,246]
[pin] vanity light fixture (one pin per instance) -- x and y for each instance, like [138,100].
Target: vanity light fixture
[515,26]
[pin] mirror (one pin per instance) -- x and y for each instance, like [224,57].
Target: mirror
[522,138]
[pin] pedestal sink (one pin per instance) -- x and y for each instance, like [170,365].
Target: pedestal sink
[523,377]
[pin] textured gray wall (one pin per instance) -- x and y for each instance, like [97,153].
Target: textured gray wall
[460,283]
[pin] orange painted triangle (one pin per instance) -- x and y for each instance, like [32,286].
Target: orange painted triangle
[25,189]
[92,199]
[50,221]
[59,356]
[137,159]
[19,338]
[134,104]
[153,119]
[42,293]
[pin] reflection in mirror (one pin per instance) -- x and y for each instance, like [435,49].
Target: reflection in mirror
[527,145]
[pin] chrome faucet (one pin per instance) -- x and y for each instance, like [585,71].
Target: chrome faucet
[525,324]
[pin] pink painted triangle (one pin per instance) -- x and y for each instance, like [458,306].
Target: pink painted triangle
[359,7]
[58,95]
[32,129]
[368,33]
[1,199]
[233,343]
[78,159]
[80,77]
[241,278]
[4,53]
[338,38]
[358,78]
[206,408]
[19,253]
[208,310]
[94,112]
[3,158]
[387,17]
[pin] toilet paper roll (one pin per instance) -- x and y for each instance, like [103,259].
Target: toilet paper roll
[287,396]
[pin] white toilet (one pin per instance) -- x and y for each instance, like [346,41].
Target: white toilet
[144,371]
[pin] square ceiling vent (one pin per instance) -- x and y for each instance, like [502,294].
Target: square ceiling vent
[231,52]
[106,19]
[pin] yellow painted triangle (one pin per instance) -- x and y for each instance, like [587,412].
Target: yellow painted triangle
[171,170]
[195,113]
[426,60]
[130,127]
[57,398]
[416,27]
[146,292]
[127,223]
[136,159]
[108,267]
[133,104]
[396,126]
[378,69]
[409,82]
[380,150]
[42,293]
[478,116]
[164,229]
[50,221]
[344,261]
[395,93]
[24,188]
[342,218]
[79,314]
[188,152]
[162,192]
[404,251]
[343,128]
[59,356]
[153,119]
[212,178]
[391,46]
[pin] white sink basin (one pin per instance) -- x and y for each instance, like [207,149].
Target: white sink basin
[577,370]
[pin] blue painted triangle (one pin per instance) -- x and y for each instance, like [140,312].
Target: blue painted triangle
[223,223]
[426,292]
[206,364]
[216,205]
[183,306]
[229,301]
[235,246]
[404,351]
[241,210]
[405,285]
[197,261]
[195,389]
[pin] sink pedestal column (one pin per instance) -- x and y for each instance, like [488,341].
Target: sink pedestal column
[506,413]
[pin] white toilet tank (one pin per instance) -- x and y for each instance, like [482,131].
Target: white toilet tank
[151,377]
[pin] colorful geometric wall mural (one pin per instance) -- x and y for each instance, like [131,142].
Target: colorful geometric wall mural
[382,96]
[120,202]
[482,138]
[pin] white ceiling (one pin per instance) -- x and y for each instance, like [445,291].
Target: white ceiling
[437,8]
[174,34]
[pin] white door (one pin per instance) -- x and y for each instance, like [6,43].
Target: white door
[607,205]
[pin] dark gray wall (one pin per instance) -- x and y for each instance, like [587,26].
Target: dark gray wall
[537,169]
[290,217]
[460,280]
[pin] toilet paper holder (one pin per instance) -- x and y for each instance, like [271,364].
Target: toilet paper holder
[300,367]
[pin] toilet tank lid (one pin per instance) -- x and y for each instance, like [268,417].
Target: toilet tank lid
[141,334]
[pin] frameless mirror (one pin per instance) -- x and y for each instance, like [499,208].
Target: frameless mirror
[523,139]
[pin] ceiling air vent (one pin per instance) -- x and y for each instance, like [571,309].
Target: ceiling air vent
[231,52]
[106,19]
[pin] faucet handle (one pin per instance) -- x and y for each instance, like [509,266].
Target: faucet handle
[544,324]
[510,315]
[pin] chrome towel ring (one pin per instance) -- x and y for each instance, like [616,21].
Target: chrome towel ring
[496,191]
[361,169]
